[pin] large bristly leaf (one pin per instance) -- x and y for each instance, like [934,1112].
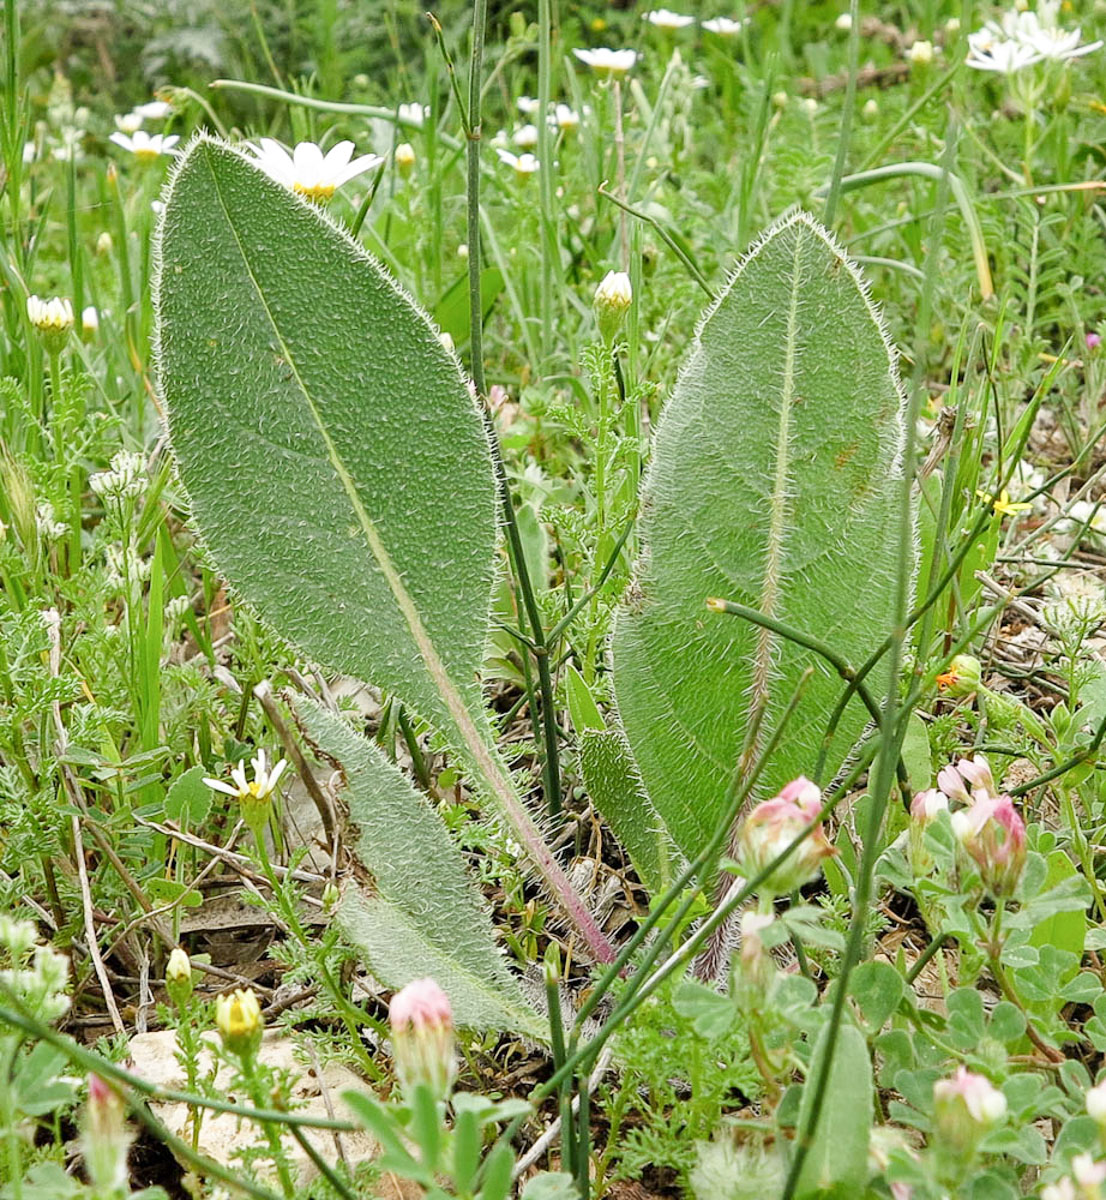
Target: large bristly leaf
[418,914]
[773,484]
[337,467]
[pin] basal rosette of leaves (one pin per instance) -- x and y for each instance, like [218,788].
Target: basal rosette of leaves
[774,484]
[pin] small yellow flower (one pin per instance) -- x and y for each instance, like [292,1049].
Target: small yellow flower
[1004,506]
[238,1020]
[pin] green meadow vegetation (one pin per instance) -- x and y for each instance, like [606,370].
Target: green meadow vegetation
[552,589]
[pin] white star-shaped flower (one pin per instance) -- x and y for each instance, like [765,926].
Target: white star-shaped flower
[310,173]
[261,787]
[144,146]
[605,61]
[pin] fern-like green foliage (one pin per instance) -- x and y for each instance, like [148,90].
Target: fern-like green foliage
[774,484]
[418,914]
[337,467]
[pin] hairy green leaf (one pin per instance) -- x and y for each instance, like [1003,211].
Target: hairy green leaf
[337,467]
[773,484]
[422,916]
[614,785]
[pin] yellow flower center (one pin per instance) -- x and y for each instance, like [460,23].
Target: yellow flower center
[318,193]
[146,154]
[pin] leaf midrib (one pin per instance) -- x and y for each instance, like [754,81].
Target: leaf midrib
[376,546]
[770,589]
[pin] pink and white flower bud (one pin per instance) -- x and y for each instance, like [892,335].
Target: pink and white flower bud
[951,782]
[105,1138]
[924,809]
[926,805]
[965,1107]
[771,827]
[977,772]
[994,835]
[422,1038]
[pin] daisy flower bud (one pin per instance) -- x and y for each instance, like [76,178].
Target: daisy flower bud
[239,1022]
[178,977]
[90,323]
[52,319]
[613,297]
[422,1038]
[772,826]
[404,156]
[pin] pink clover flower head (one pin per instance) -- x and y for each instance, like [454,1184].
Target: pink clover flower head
[1094,340]
[965,1107]
[422,1038]
[926,805]
[993,833]
[771,827]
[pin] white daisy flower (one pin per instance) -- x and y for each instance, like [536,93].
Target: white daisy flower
[129,122]
[54,316]
[524,165]
[90,321]
[414,114]
[664,18]
[307,171]
[725,26]
[261,787]
[1050,42]
[146,147]
[155,110]
[607,62]
[525,137]
[565,118]
[527,105]
[988,53]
